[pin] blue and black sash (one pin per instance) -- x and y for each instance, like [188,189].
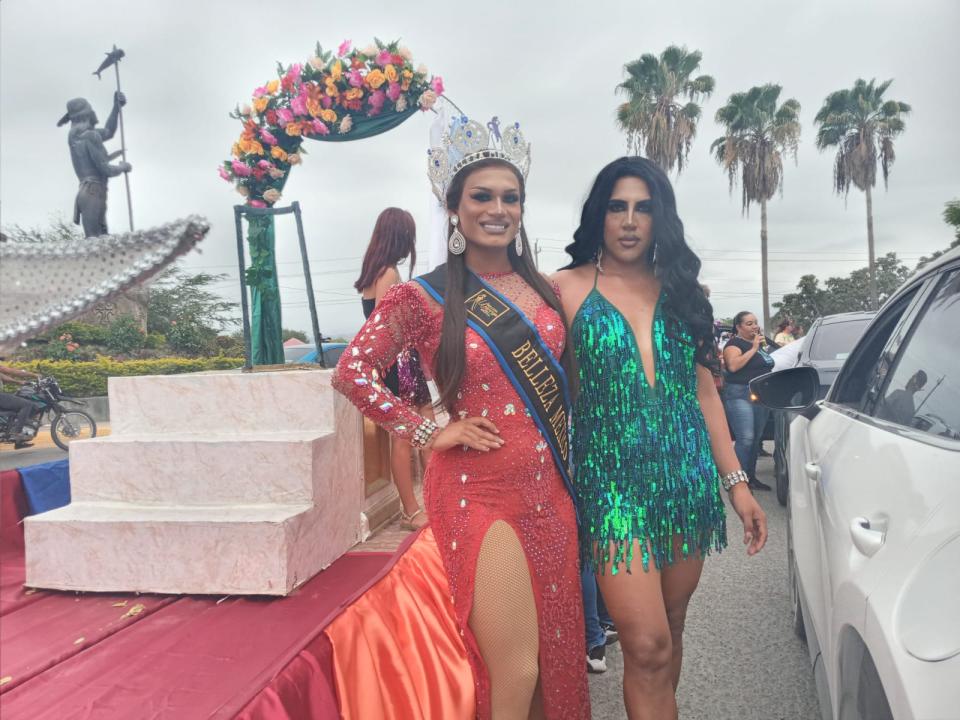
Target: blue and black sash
[524,357]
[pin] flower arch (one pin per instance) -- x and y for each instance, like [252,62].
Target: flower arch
[352,94]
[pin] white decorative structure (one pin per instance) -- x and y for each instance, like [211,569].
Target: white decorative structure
[218,483]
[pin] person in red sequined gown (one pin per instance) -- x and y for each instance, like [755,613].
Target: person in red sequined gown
[504,522]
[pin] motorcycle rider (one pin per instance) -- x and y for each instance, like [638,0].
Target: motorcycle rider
[22,406]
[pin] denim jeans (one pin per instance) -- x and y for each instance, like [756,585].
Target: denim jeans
[747,420]
[594,611]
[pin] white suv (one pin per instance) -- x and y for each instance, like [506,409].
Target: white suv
[874,509]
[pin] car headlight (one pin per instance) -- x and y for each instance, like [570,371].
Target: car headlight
[927,620]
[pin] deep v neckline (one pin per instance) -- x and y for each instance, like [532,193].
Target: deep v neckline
[633,335]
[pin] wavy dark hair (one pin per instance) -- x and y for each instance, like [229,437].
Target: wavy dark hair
[739,318]
[451,354]
[676,266]
[394,238]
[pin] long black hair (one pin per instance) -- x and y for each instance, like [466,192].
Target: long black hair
[451,354]
[675,265]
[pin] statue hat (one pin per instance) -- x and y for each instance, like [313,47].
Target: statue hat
[77,108]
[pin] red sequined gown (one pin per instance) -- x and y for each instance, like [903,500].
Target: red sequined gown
[466,490]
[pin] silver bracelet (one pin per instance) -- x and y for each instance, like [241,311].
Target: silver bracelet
[733,478]
[423,433]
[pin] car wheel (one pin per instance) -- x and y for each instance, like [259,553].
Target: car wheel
[794,587]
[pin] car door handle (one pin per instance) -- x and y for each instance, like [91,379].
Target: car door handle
[866,539]
[812,470]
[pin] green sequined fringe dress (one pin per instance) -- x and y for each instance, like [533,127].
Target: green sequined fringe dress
[643,467]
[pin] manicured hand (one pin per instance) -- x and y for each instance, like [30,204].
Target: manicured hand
[752,515]
[478,433]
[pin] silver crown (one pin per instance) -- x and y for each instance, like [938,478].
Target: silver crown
[465,142]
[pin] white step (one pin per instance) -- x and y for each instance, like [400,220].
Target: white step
[242,549]
[217,402]
[200,469]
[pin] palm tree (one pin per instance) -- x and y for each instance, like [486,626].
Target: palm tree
[862,126]
[656,124]
[758,134]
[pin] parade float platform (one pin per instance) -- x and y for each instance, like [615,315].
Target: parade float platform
[371,636]
[210,483]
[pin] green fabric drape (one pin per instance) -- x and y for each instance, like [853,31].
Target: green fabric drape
[265,328]
[366,127]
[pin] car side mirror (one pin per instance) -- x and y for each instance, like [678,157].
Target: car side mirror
[793,389]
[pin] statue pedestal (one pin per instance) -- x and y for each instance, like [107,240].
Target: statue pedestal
[221,483]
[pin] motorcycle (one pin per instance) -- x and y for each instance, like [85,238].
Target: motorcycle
[66,424]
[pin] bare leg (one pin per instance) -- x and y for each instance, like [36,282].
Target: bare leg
[636,605]
[400,457]
[679,582]
[504,621]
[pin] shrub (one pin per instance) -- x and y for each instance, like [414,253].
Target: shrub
[192,339]
[81,332]
[154,341]
[124,335]
[89,379]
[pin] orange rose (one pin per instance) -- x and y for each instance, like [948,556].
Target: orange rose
[313,107]
[293,129]
[273,86]
[278,153]
[235,150]
[354,94]
[375,78]
[328,116]
[260,104]
[391,72]
[336,70]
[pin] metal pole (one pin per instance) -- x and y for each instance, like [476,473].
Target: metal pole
[123,145]
[311,301]
[247,348]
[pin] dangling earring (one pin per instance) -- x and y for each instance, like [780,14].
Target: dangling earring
[457,242]
[518,241]
[653,259]
[598,259]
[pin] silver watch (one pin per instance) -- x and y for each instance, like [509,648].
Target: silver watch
[732,478]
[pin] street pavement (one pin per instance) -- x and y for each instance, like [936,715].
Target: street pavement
[741,659]
[43,450]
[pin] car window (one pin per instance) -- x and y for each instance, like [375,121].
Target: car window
[834,341]
[868,364]
[923,387]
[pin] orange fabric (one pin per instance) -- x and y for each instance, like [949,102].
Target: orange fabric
[397,650]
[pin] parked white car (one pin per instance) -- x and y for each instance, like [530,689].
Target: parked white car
[874,509]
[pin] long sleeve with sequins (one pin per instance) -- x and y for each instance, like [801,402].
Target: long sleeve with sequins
[401,320]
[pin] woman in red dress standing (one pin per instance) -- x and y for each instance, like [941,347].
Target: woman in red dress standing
[496,487]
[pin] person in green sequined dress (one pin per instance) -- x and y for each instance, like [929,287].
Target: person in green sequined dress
[650,439]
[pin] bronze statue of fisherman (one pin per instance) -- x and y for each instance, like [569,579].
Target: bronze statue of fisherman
[91,162]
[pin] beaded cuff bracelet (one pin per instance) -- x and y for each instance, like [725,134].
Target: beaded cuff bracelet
[423,433]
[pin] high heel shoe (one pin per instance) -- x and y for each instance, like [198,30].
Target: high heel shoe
[409,522]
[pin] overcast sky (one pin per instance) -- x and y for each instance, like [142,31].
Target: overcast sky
[552,66]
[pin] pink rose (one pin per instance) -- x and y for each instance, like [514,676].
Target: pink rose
[428,99]
[223,173]
[326,101]
[437,85]
[260,91]
[240,169]
[299,105]
[356,79]
[320,128]
[267,137]
[256,203]
[344,48]
[394,91]
[264,164]
[284,116]
[384,58]
[293,74]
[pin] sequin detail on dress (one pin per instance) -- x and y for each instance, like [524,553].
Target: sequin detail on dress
[466,491]
[643,464]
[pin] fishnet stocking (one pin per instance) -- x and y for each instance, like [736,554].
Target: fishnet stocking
[504,622]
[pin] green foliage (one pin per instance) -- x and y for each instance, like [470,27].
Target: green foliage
[191,339]
[154,341]
[656,123]
[81,332]
[124,335]
[288,333]
[177,298]
[951,216]
[841,294]
[89,379]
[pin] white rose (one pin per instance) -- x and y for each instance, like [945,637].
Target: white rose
[276,173]
[271,195]
[316,63]
[401,103]
[346,124]
[428,99]
[243,190]
[245,110]
[293,159]
[370,51]
[421,69]
[405,53]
